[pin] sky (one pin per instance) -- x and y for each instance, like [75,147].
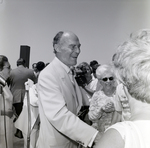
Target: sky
[101,26]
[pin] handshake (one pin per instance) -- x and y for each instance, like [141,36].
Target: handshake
[109,107]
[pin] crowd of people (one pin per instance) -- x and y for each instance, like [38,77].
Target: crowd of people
[63,104]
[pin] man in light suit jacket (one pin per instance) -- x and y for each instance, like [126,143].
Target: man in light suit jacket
[60,99]
[17,79]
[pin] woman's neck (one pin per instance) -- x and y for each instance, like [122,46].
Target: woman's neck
[139,110]
[109,92]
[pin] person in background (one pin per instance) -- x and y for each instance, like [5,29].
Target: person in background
[6,108]
[104,97]
[39,66]
[83,75]
[34,69]
[23,122]
[131,65]
[34,66]
[94,64]
[18,77]
[121,96]
[60,99]
[88,85]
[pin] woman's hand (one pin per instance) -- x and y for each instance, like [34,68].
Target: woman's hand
[109,107]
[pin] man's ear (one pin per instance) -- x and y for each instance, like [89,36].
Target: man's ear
[57,47]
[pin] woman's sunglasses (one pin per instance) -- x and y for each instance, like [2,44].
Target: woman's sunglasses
[106,79]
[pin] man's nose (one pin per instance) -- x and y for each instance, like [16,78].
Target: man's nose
[77,49]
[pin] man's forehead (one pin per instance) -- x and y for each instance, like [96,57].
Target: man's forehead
[71,41]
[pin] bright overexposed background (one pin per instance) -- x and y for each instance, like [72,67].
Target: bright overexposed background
[101,26]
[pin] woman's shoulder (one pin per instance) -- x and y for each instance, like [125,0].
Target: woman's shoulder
[126,127]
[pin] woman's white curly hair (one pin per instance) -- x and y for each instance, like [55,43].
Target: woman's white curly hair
[132,65]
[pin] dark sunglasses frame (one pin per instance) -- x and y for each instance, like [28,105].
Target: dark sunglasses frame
[106,79]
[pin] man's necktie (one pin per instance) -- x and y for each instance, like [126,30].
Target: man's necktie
[71,75]
[72,78]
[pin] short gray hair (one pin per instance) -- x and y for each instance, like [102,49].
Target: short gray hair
[57,38]
[132,65]
[104,68]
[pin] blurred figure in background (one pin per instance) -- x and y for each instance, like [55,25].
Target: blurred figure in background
[39,66]
[23,122]
[83,75]
[18,77]
[6,108]
[88,85]
[94,64]
[121,96]
[34,68]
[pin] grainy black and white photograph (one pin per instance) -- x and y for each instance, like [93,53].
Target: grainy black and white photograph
[74,73]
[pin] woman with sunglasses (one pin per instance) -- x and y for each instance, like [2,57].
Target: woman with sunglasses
[104,109]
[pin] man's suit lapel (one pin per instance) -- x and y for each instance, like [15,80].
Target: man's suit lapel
[69,84]
[66,80]
[75,91]
[78,95]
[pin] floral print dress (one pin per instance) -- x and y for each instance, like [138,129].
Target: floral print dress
[100,119]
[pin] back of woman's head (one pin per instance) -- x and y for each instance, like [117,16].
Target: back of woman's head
[132,65]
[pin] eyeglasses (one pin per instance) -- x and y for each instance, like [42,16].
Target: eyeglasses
[106,79]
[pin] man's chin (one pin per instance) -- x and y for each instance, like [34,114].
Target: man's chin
[74,61]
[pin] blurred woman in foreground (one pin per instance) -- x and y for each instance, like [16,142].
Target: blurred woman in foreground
[132,67]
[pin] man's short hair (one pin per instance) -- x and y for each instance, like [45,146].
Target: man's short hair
[94,62]
[40,65]
[57,38]
[20,61]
